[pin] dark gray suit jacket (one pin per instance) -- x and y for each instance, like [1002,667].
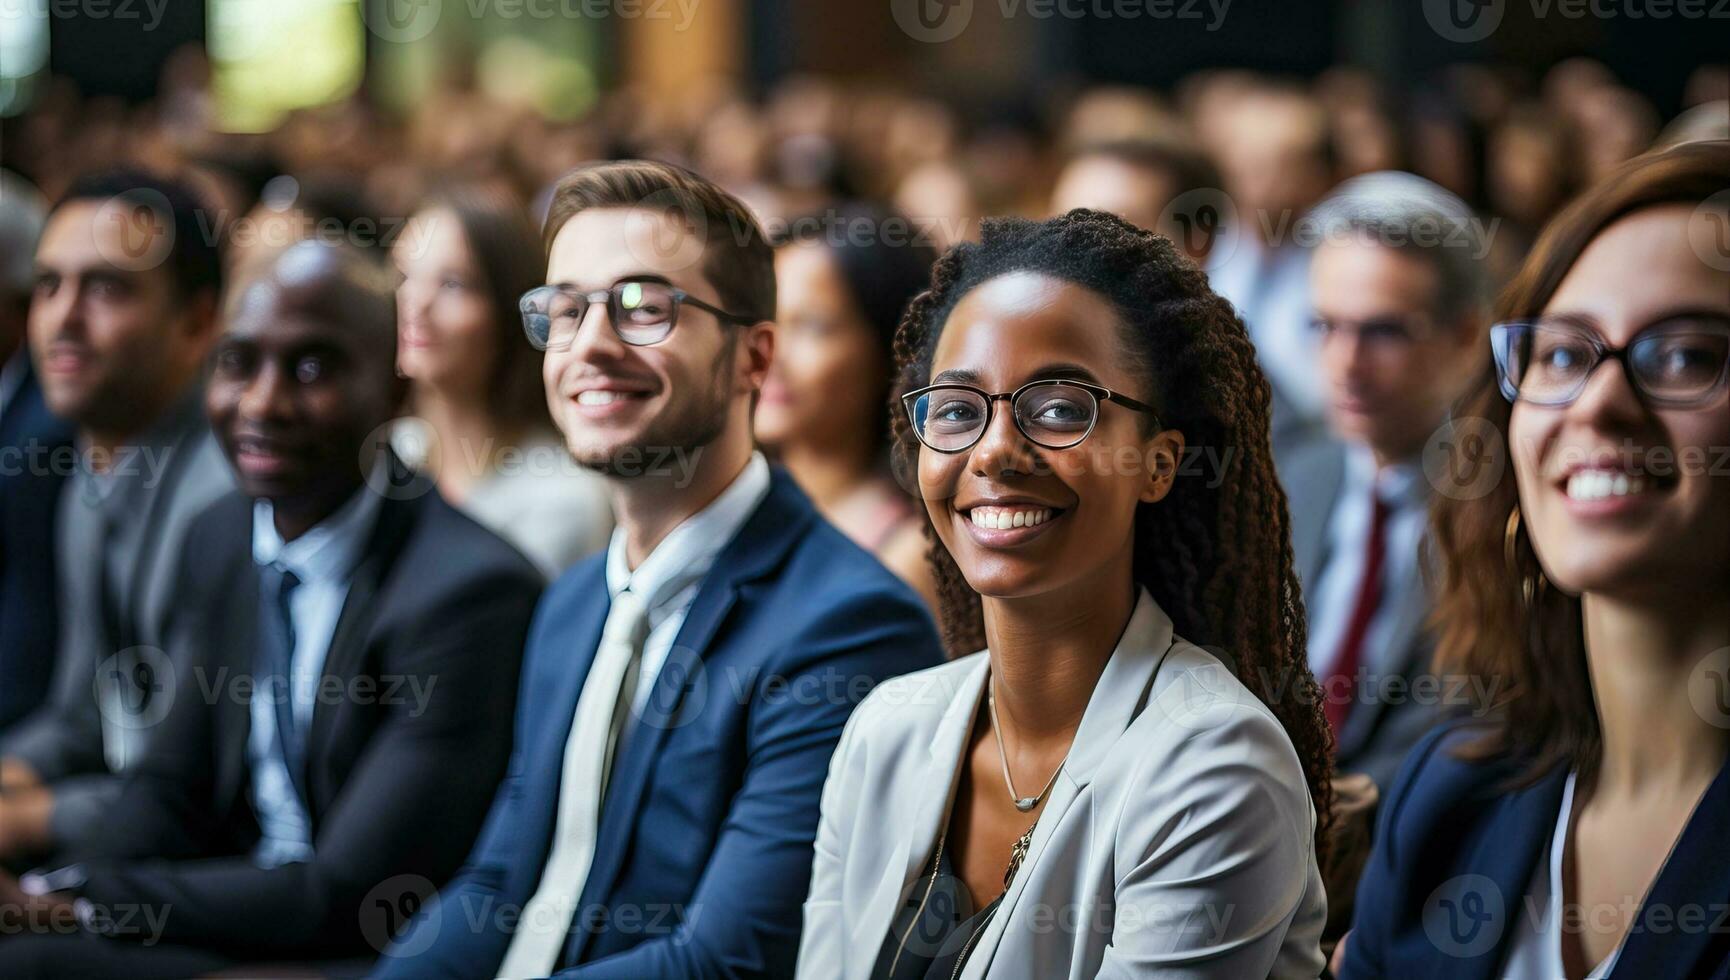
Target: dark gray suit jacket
[1383,725]
[117,553]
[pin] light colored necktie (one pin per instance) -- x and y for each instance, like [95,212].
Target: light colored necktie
[546,920]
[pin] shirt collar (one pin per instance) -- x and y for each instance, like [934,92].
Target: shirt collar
[689,550]
[1399,485]
[326,553]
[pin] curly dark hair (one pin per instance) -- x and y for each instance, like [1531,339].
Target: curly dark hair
[1216,553]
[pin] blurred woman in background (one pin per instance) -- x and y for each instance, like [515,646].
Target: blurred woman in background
[1576,826]
[844,278]
[478,422]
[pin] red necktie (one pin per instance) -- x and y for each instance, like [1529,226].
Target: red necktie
[1369,597]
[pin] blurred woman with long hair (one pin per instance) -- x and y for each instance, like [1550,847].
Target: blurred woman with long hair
[478,422]
[1575,826]
[843,280]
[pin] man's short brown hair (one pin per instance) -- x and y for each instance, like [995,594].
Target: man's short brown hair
[737,258]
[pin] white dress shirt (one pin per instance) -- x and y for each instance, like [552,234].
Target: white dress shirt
[1403,490]
[687,552]
[323,559]
[1536,950]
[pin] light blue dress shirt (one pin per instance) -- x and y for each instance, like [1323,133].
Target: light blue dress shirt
[324,559]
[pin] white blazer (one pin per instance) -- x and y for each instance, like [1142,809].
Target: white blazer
[1177,842]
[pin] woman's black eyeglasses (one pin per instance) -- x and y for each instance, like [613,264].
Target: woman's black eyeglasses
[642,312]
[1679,362]
[951,418]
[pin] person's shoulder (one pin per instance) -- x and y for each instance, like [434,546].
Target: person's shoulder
[907,708]
[441,531]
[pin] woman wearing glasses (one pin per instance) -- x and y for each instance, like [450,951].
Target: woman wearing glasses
[1576,829]
[1093,793]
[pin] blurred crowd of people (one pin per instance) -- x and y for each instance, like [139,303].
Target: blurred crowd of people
[438,474]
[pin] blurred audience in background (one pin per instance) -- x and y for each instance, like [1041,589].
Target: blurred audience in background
[477,412]
[1285,192]
[843,280]
[122,317]
[34,448]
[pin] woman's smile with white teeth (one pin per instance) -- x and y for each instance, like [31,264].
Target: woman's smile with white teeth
[1001,518]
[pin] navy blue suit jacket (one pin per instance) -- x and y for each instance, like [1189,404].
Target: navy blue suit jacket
[1455,852]
[705,841]
[34,463]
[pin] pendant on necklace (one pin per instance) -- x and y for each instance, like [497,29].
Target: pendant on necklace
[1026,803]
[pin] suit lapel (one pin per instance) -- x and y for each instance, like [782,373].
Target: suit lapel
[1118,698]
[346,656]
[1692,877]
[759,547]
[236,653]
[1508,850]
[912,853]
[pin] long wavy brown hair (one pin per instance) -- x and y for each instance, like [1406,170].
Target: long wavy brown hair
[1533,653]
[1216,552]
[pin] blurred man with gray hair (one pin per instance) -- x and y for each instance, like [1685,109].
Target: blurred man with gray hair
[29,485]
[1400,288]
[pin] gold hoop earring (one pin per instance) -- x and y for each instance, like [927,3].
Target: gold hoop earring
[1531,586]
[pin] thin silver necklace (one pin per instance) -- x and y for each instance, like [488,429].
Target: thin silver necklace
[1022,803]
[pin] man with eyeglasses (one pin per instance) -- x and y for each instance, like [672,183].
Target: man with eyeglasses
[1400,291]
[682,693]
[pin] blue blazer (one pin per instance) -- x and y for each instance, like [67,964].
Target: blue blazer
[1454,855]
[29,626]
[705,841]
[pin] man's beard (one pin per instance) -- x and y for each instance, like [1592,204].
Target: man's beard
[680,433]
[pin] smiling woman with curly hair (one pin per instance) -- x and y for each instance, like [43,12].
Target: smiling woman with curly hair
[1126,777]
